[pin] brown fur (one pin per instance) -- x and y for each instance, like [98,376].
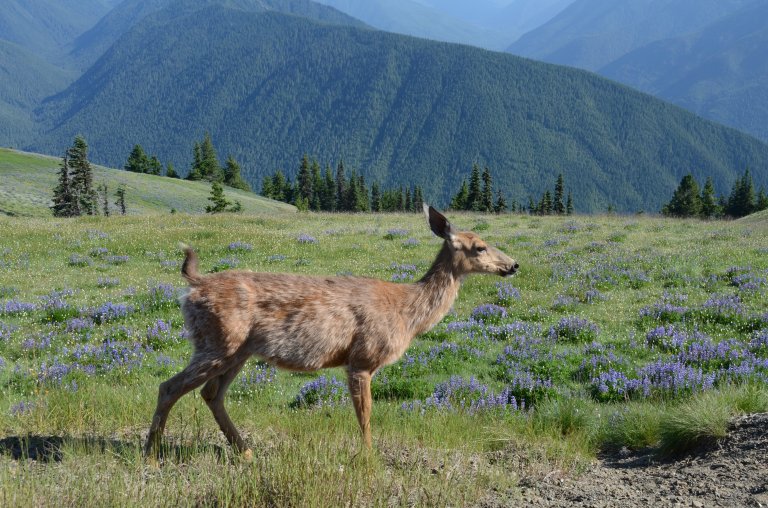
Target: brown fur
[307,323]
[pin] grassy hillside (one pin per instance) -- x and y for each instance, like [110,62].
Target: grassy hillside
[271,87]
[28,181]
[643,333]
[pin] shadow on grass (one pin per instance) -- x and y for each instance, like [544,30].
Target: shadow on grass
[50,448]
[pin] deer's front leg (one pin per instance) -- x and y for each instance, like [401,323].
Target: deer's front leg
[360,391]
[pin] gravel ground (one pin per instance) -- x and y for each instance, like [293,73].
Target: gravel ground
[730,473]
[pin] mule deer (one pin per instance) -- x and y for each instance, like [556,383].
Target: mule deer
[307,323]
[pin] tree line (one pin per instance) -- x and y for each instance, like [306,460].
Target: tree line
[690,200]
[75,194]
[331,191]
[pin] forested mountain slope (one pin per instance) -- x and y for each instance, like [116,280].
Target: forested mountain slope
[270,87]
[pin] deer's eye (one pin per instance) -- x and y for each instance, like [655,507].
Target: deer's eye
[481,248]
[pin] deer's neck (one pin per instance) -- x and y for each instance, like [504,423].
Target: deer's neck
[434,294]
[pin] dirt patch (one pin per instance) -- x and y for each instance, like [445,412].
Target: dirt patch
[730,473]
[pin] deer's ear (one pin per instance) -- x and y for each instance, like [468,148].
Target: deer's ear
[438,223]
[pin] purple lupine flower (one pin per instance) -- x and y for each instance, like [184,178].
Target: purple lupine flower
[470,396]
[323,391]
[276,258]
[107,282]
[489,313]
[6,331]
[78,260]
[305,239]
[254,379]
[110,311]
[240,246]
[14,306]
[396,233]
[574,329]
[506,293]
[116,260]
[22,408]
[163,295]
[78,325]
[411,243]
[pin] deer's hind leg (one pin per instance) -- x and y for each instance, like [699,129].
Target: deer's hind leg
[213,393]
[360,392]
[200,369]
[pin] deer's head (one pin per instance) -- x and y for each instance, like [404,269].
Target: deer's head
[470,253]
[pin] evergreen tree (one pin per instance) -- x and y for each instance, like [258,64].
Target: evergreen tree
[501,203]
[558,205]
[569,205]
[686,201]
[170,171]
[475,197]
[81,182]
[232,176]
[709,207]
[304,181]
[281,187]
[761,202]
[267,188]
[329,191]
[155,166]
[195,173]
[219,202]
[532,205]
[350,199]
[487,196]
[362,199]
[210,168]
[375,198]
[741,202]
[63,199]
[317,187]
[545,205]
[461,200]
[120,201]
[104,199]
[137,162]
[408,202]
[341,187]
[401,200]
[418,199]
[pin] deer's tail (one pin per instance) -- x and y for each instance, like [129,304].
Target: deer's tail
[189,268]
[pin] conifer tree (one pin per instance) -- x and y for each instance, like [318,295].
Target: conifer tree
[219,202]
[195,173]
[741,202]
[170,171]
[418,199]
[362,199]
[569,204]
[375,198]
[120,201]
[137,162]
[281,187]
[545,206]
[304,181]
[686,201]
[329,190]
[63,199]
[81,182]
[461,200]
[341,187]
[487,195]
[761,202]
[501,203]
[104,199]
[210,168]
[408,201]
[474,199]
[155,166]
[709,207]
[558,204]
[232,175]
[267,189]
[317,186]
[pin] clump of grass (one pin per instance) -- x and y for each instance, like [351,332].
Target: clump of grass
[569,416]
[634,426]
[697,422]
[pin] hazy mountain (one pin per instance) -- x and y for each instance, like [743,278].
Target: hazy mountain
[270,87]
[25,80]
[720,72]
[485,23]
[590,34]
[46,27]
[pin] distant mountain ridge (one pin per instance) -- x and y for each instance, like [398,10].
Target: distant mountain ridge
[270,87]
[707,56]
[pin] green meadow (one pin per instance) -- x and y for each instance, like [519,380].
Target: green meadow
[617,332]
